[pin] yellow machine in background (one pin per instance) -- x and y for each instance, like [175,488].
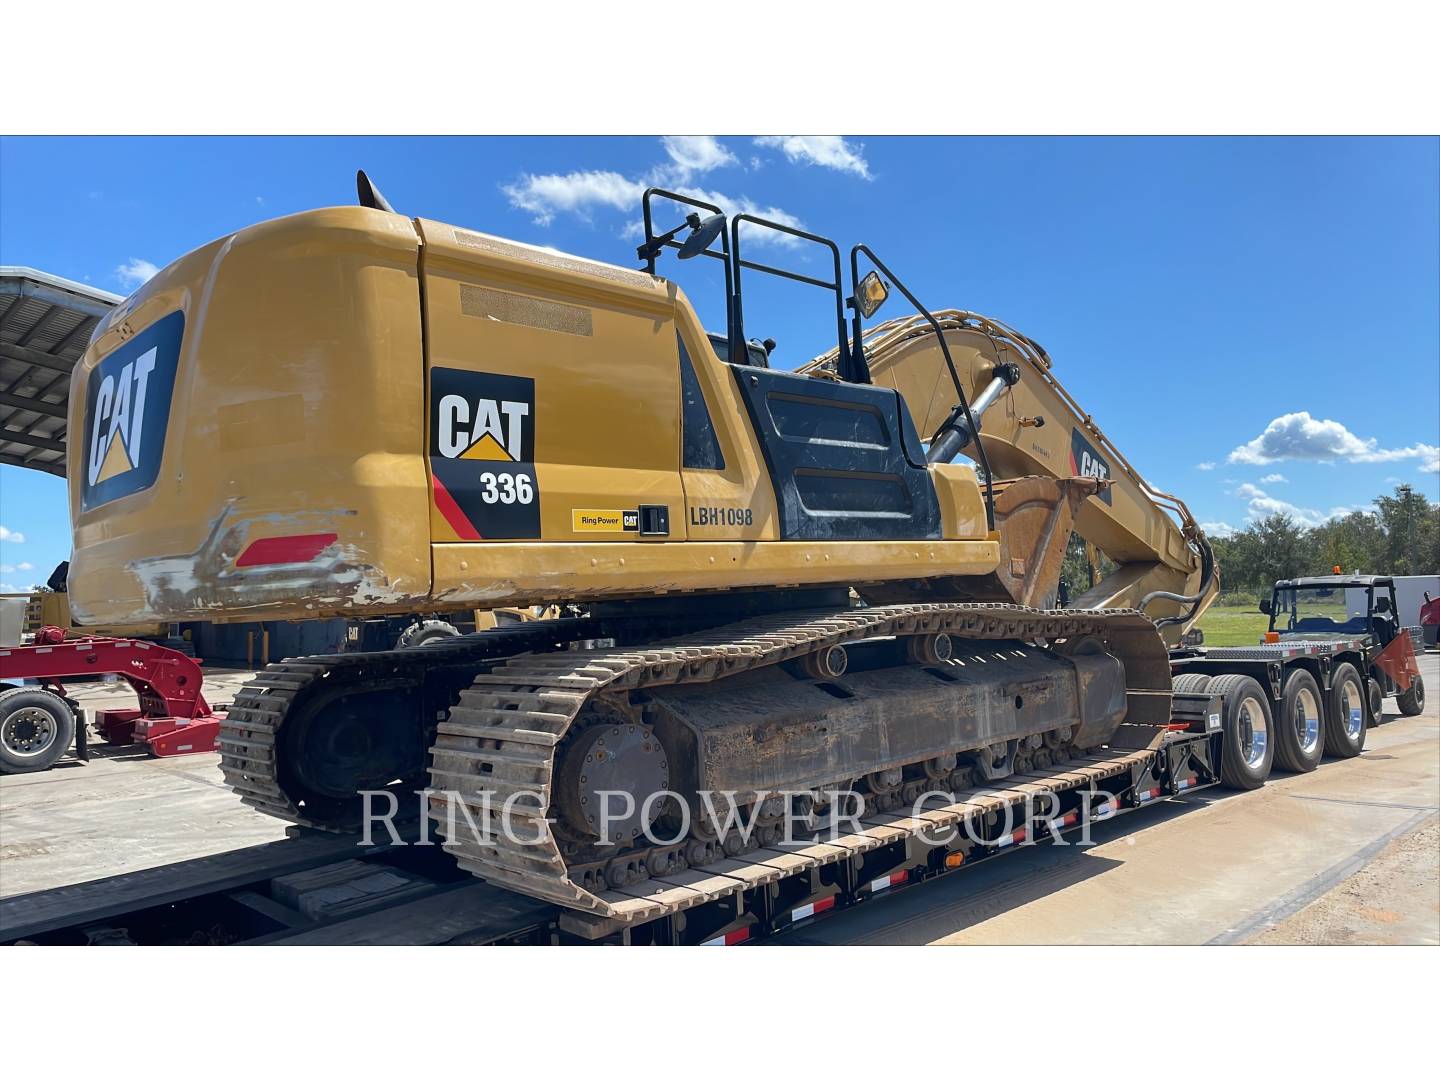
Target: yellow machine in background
[351,412]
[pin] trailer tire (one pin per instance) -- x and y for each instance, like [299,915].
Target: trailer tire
[36,727]
[1412,701]
[422,633]
[1377,702]
[1345,713]
[1191,682]
[1299,733]
[1247,749]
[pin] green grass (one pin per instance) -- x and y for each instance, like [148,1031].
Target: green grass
[1233,626]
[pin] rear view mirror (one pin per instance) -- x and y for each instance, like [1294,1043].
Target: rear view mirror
[870,294]
[1265,606]
[702,235]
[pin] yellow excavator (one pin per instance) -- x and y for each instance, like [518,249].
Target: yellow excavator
[769,580]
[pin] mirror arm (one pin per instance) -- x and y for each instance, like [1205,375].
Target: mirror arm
[964,405]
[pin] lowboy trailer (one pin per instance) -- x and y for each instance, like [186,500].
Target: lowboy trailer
[404,888]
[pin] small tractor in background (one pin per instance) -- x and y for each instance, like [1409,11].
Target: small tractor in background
[1358,616]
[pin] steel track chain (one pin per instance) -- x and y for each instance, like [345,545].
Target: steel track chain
[500,741]
[250,730]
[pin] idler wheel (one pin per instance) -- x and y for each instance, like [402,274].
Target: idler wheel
[930,648]
[829,662]
[615,758]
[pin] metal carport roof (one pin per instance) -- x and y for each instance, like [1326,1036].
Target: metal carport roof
[45,324]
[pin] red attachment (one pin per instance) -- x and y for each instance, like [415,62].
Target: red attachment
[173,717]
[1398,661]
[273,550]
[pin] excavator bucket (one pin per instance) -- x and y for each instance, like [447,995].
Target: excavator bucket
[1034,516]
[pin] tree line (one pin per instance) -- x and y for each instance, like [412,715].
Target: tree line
[1402,536]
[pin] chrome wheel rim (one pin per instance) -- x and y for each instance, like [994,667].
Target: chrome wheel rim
[28,732]
[1354,709]
[1307,720]
[1252,732]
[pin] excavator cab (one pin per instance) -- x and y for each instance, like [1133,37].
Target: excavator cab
[843,454]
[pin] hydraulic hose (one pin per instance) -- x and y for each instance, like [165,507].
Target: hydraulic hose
[1207,574]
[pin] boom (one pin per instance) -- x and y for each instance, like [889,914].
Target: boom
[1034,428]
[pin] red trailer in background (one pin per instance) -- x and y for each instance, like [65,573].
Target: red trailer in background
[39,723]
[1430,620]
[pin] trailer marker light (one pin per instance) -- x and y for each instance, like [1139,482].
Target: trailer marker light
[954,859]
[806,910]
[880,884]
[734,937]
[273,550]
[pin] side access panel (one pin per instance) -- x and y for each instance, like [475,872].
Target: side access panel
[845,459]
[554,395]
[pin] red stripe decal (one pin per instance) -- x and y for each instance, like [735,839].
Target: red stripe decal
[825,905]
[285,549]
[735,937]
[451,512]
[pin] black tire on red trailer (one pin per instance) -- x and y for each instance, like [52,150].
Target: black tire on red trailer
[1412,701]
[1299,729]
[36,727]
[1345,713]
[1247,749]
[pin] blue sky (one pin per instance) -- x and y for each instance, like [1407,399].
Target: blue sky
[1255,322]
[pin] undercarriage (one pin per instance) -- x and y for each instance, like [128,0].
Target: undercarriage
[563,772]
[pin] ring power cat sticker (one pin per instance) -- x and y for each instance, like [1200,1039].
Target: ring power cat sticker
[612,521]
[127,410]
[482,454]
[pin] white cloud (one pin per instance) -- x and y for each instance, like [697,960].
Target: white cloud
[697,153]
[9,568]
[831,151]
[576,193]
[579,193]
[1218,528]
[1433,465]
[1299,436]
[1205,466]
[11,535]
[1260,504]
[743,205]
[1274,478]
[136,272]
